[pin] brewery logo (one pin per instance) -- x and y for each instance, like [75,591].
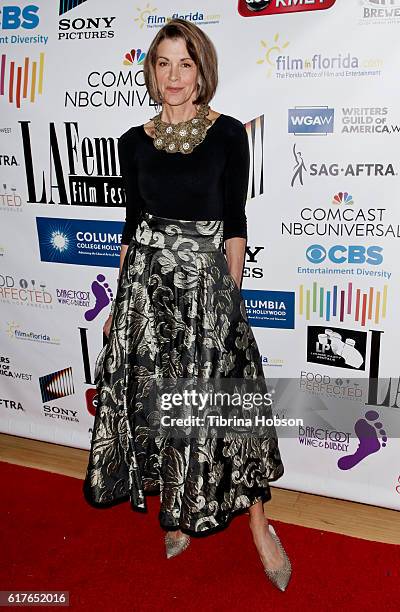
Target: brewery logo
[7,369]
[269,308]
[113,88]
[14,331]
[280,65]
[89,164]
[24,292]
[380,12]
[254,8]
[29,82]
[79,241]
[311,120]
[368,120]
[56,385]
[329,169]
[340,348]
[10,200]
[148,17]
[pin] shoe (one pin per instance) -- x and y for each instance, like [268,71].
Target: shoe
[174,546]
[279,577]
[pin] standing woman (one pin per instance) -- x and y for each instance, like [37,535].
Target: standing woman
[178,312]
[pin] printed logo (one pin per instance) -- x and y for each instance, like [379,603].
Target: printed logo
[269,308]
[255,129]
[15,17]
[357,305]
[21,292]
[8,160]
[134,56]
[368,120]
[6,369]
[367,170]
[103,295]
[149,18]
[341,348]
[56,385]
[15,332]
[380,12]
[312,120]
[79,241]
[68,5]
[368,441]
[316,66]
[22,82]
[10,200]
[343,254]
[254,8]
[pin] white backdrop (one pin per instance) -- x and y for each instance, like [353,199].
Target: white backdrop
[317,88]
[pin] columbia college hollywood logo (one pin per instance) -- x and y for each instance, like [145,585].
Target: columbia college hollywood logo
[254,8]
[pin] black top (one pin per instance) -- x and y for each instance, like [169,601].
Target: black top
[209,183]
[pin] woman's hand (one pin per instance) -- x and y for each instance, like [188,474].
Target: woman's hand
[107,326]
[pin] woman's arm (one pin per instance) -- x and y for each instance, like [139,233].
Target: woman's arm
[236,181]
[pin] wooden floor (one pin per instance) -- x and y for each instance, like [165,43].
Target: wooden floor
[325,513]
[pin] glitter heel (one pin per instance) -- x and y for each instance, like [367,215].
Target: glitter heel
[279,577]
[174,546]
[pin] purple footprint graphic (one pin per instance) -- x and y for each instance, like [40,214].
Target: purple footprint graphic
[103,294]
[368,440]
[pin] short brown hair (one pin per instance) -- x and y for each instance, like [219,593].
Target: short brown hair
[200,48]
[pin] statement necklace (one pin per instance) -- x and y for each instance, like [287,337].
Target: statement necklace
[184,136]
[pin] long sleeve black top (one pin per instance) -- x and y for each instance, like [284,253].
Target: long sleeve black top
[211,182]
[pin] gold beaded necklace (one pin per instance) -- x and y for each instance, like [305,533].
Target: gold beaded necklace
[184,136]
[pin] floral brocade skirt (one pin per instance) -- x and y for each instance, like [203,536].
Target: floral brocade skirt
[178,315]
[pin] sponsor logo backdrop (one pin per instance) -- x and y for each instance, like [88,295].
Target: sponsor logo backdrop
[315,83]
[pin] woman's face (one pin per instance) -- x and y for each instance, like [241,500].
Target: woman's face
[176,72]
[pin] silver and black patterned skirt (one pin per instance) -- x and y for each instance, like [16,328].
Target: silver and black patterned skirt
[178,316]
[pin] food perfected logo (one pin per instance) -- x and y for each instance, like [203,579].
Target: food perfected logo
[56,385]
[254,8]
[311,120]
[23,82]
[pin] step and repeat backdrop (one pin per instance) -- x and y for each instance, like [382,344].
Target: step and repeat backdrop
[316,84]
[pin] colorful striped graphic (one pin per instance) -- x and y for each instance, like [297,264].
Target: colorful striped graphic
[361,305]
[68,5]
[56,385]
[23,81]
[255,133]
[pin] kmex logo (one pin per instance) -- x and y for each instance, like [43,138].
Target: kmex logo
[254,8]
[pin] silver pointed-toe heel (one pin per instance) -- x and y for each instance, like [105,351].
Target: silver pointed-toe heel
[174,546]
[279,577]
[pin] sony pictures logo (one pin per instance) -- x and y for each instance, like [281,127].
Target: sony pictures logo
[248,8]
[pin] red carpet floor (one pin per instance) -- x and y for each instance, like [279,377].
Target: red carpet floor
[113,559]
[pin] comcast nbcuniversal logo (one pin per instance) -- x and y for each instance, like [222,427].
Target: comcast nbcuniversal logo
[134,55]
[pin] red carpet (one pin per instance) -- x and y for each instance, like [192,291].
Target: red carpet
[113,559]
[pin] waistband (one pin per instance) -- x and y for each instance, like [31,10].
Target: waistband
[179,234]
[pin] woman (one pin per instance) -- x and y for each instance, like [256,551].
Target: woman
[178,313]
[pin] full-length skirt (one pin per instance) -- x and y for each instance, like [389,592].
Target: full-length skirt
[179,315]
